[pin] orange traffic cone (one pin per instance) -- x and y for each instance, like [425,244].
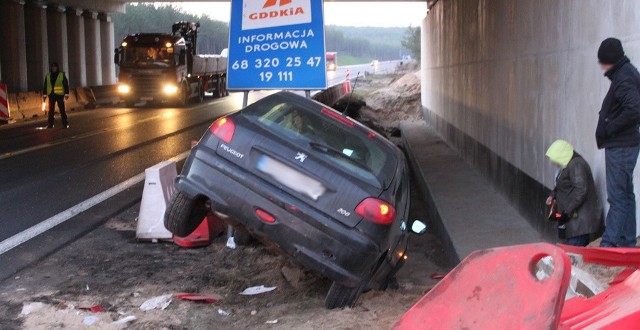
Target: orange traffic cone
[210,227]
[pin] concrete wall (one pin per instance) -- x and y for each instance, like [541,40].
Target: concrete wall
[502,79]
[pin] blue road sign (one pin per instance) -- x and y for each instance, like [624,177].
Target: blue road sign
[276,44]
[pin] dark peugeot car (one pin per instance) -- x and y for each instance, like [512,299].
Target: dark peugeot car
[328,191]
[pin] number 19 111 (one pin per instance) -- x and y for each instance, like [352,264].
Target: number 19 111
[266,76]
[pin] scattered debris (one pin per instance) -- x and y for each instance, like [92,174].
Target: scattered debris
[208,298]
[254,312]
[437,276]
[223,312]
[31,307]
[256,290]
[90,320]
[231,243]
[159,302]
[92,309]
[125,320]
[271,322]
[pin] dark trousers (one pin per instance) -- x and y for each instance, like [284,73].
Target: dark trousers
[620,225]
[582,240]
[59,99]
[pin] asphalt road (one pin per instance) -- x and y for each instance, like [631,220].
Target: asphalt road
[46,171]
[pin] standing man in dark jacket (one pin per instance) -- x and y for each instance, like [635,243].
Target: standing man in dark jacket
[56,87]
[574,201]
[618,134]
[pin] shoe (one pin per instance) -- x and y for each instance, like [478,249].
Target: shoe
[65,126]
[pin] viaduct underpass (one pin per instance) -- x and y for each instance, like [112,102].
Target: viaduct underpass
[500,79]
[503,79]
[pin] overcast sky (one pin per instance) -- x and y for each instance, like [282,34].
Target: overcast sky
[337,13]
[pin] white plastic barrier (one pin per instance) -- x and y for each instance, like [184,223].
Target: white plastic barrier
[158,188]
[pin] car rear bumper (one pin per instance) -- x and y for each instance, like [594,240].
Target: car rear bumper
[318,242]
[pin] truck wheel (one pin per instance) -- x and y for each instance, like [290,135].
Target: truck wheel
[184,96]
[183,214]
[218,93]
[225,92]
[200,93]
[341,296]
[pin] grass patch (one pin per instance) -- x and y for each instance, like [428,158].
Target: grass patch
[344,59]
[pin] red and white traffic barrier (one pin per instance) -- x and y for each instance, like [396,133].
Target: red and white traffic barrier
[4,103]
[346,86]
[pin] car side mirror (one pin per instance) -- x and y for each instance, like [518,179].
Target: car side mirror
[418,227]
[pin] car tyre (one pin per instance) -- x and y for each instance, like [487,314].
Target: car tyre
[340,296]
[184,214]
[242,237]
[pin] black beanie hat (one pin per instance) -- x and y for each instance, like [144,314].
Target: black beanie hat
[610,51]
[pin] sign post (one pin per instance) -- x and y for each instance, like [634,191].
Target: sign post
[276,44]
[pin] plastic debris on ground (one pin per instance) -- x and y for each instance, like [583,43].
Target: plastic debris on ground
[223,312]
[271,322]
[31,307]
[231,243]
[257,290]
[90,320]
[436,276]
[125,320]
[92,309]
[205,297]
[159,302]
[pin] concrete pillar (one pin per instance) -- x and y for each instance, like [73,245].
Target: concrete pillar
[107,47]
[12,50]
[93,48]
[77,71]
[57,36]
[37,54]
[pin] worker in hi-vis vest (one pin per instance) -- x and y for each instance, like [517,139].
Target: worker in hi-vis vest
[56,87]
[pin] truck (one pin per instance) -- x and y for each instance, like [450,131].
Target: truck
[332,61]
[161,68]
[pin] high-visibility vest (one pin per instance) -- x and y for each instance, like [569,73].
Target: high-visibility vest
[58,87]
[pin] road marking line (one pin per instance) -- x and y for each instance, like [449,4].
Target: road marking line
[71,212]
[77,137]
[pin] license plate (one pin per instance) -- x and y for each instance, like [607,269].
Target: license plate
[291,178]
[146,98]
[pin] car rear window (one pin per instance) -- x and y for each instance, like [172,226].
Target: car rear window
[360,155]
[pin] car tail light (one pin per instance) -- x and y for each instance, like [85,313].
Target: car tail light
[223,128]
[376,210]
[265,216]
[338,117]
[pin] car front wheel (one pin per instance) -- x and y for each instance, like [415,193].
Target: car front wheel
[184,214]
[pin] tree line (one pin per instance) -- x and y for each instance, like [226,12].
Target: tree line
[213,37]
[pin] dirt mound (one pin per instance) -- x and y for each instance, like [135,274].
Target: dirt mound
[398,102]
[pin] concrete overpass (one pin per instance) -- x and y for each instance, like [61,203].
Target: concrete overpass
[502,79]
[78,34]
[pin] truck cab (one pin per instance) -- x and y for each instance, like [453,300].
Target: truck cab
[152,68]
[156,67]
